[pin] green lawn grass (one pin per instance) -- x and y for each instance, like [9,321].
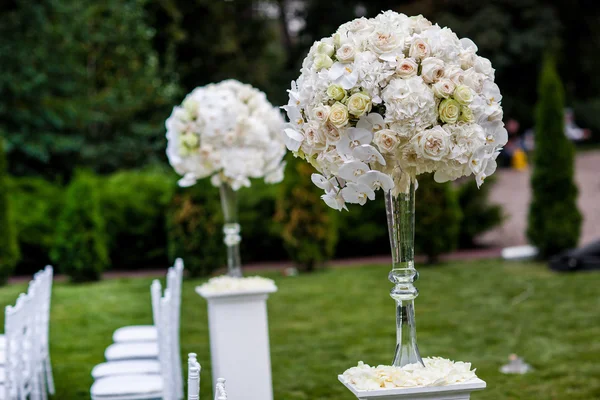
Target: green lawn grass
[321,324]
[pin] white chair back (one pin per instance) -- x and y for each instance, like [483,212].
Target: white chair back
[220,393]
[174,283]
[193,377]
[162,311]
[44,281]
[21,351]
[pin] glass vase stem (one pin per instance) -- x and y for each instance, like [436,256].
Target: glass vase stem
[231,230]
[400,210]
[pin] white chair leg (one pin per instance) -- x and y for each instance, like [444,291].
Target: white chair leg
[49,377]
[193,377]
[220,393]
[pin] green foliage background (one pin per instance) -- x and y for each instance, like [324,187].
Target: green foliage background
[9,250]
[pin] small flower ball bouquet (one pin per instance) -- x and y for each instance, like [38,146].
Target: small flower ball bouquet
[386,99]
[228,131]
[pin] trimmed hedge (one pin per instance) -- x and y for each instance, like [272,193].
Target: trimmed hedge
[80,245]
[309,228]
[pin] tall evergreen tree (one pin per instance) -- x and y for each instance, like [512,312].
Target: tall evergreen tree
[554,219]
[9,250]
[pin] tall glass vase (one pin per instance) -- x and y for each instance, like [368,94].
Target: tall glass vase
[231,230]
[400,210]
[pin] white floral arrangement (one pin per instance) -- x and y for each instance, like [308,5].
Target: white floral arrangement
[228,131]
[437,372]
[388,95]
[230,284]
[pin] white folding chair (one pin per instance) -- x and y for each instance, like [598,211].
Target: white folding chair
[147,333]
[193,377]
[22,368]
[146,386]
[148,350]
[34,317]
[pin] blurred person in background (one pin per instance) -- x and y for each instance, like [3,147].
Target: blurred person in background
[573,132]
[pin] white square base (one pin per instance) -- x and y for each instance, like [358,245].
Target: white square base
[239,342]
[459,391]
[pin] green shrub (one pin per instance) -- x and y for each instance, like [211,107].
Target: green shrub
[261,235]
[80,247]
[134,205]
[37,205]
[9,250]
[309,228]
[478,214]
[437,219]
[194,228]
[554,219]
[363,231]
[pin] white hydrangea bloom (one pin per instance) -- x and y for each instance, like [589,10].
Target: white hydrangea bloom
[228,131]
[369,98]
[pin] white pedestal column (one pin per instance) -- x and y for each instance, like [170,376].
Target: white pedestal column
[239,342]
[459,391]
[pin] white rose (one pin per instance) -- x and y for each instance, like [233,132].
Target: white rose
[359,104]
[455,74]
[322,61]
[407,68]
[433,144]
[314,136]
[386,140]
[331,133]
[444,88]
[384,42]
[473,79]
[463,94]
[432,69]
[338,115]
[466,114]
[346,53]
[449,110]
[483,66]
[467,59]
[336,92]
[325,48]
[419,23]
[419,49]
[321,112]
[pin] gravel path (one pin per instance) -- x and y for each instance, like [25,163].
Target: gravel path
[512,191]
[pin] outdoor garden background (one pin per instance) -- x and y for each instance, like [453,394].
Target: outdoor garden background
[85,88]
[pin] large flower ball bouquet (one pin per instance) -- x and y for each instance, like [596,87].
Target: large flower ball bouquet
[381,101]
[229,132]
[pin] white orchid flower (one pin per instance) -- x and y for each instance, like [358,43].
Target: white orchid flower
[351,170]
[335,201]
[495,133]
[344,75]
[488,169]
[321,182]
[368,154]
[356,193]
[372,122]
[478,159]
[351,138]
[293,139]
[377,180]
